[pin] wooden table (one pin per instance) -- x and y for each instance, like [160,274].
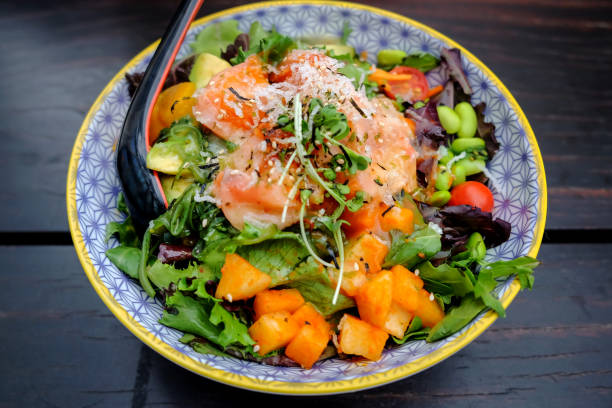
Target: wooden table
[60,346]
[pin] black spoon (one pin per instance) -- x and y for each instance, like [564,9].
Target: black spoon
[141,187]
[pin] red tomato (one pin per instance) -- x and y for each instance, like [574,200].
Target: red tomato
[413,89]
[472,193]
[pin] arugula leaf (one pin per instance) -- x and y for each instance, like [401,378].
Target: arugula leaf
[456,318]
[454,278]
[125,231]
[270,45]
[215,38]
[346,31]
[320,294]
[200,345]
[205,318]
[409,250]
[521,267]
[162,275]
[482,290]
[125,258]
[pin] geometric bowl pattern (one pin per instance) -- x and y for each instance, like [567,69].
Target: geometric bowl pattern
[93,186]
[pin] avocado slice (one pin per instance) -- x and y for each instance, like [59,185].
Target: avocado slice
[182,145]
[174,188]
[339,49]
[205,67]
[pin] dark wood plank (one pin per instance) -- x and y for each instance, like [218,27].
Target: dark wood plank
[553,56]
[59,346]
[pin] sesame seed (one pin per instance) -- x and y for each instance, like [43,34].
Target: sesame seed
[431,297]
[256,348]
[211,83]
[229,297]
[321,211]
[220,116]
[270,163]
[381,140]
[204,223]
[340,161]
[356,266]
[222,151]
[274,145]
[216,100]
[416,272]
[269,179]
[338,169]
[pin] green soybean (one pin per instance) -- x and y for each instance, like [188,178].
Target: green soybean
[449,119]
[459,173]
[390,57]
[469,122]
[467,144]
[447,157]
[439,198]
[444,180]
[472,166]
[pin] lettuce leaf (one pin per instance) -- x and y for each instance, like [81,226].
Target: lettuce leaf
[205,318]
[126,259]
[455,278]
[320,294]
[410,250]
[215,38]
[162,275]
[270,45]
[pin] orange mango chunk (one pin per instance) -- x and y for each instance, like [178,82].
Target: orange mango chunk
[307,346]
[273,331]
[406,286]
[240,280]
[360,338]
[429,310]
[398,219]
[374,298]
[309,316]
[397,320]
[268,301]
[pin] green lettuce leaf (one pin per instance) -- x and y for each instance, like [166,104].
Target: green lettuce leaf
[410,250]
[215,38]
[270,45]
[455,278]
[320,294]
[162,275]
[125,258]
[205,318]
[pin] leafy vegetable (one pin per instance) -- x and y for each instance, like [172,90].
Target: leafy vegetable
[215,38]
[205,318]
[162,275]
[126,259]
[456,318]
[422,61]
[346,31]
[454,278]
[452,57]
[270,45]
[320,294]
[415,331]
[409,250]
[458,222]
[357,71]
[125,231]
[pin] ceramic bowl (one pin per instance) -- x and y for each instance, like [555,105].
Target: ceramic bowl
[93,187]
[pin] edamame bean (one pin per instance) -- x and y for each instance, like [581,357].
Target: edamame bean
[459,173]
[467,116]
[444,180]
[449,119]
[467,144]
[472,166]
[447,157]
[439,198]
[390,57]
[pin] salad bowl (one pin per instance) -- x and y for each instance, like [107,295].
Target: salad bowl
[93,187]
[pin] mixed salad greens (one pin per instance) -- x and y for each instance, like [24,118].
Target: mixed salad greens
[319,206]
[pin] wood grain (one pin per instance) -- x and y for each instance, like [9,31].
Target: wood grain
[554,56]
[60,346]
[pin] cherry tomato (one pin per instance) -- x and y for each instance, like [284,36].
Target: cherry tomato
[472,193]
[411,90]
